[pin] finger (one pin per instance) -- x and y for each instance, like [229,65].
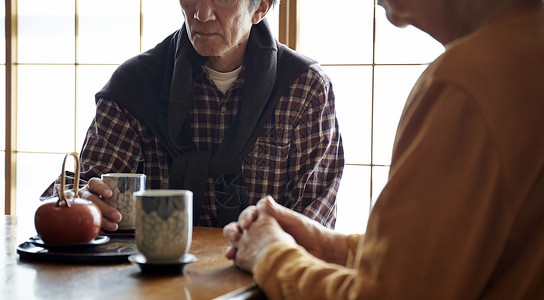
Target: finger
[86,194]
[261,234]
[247,217]
[110,216]
[282,214]
[231,253]
[232,232]
[243,262]
[109,225]
[292,222]
[268,205]
[97,186]
[107,210]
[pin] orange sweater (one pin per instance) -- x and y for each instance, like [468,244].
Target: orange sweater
[462,214]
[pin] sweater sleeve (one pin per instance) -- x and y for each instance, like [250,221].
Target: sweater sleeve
[443,211]
[287,271]
[353,243]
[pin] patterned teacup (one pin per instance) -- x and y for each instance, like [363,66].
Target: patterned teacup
[123,186]
[164,224]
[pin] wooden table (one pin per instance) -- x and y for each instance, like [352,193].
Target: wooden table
[211,276]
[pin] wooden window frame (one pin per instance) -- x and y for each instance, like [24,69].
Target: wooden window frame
[288,32]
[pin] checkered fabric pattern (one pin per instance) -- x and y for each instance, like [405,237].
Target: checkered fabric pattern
[298,159]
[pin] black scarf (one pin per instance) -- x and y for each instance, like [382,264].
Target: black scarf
[157,88]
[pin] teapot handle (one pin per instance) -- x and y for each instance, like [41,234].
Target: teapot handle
[62,197]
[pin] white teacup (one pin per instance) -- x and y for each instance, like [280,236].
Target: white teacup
[164,224]
[123,186]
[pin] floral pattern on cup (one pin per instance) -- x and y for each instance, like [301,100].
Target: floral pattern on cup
[163,224]
[123,187]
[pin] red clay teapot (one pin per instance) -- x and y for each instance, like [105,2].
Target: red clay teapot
[68,219]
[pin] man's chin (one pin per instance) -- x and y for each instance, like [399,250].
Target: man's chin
[392,17]
[396,20]
[398,23]
[205,50]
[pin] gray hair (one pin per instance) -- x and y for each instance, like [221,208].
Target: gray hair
[255,3]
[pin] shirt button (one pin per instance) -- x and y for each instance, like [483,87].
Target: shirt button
[223,109]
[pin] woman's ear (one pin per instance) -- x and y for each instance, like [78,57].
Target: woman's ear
[261,11]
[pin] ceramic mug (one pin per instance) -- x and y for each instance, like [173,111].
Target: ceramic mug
[164,224]
[123,186]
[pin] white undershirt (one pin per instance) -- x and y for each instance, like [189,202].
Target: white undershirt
[223,81]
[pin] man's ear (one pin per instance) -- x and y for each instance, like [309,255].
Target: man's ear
[261,11]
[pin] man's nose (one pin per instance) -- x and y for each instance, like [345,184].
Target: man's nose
[205,11]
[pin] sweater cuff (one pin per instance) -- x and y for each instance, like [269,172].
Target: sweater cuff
[267,268]
[353,243]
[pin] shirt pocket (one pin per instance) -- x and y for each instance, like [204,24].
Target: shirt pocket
[268,161]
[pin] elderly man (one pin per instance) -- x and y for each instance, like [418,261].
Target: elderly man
[462,215]
[220,108]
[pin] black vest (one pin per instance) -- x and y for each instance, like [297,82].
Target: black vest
[157,88]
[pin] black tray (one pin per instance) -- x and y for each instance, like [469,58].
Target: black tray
[116,250]
[99,240]
[121,232]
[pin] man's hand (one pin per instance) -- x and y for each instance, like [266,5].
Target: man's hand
[95,191]
[255,240]
[321,242]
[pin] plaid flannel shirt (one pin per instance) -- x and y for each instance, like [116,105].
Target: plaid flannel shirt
[298,159]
